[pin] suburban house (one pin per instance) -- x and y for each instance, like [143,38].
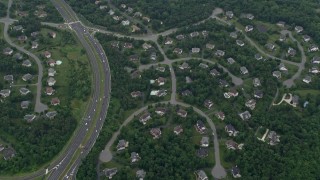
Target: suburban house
[258,94]
[52,34]
[298,29]
[27,77]
[160,81]
[135,74]
[270,46]
[18,56]
[214,72]
[210,46]
[200,127]
[156,133]
[24,104]
[134,58]
[276,74]
[282,67]
[281,24]
[160,111]
[208,104]
[127,45]
[135,94]
[194,34]
[203,65]
[234,35]
[315,60]
[306,38]
[291,51]
[204,141]
[201,175]
[140,174]
[202,152]
[147,19]
[18,28]
[122,145]
[51,81]
[55,101]
[125,22]
[180,37]
[153,56]
[8,78]
[24,91]
[5,93]
[307,79]
[245,115]
[235,172]
[115,44]
[51,114]
[26,63]
[273,138]
[229,14]
[313,48]
[51,72]
[239,42]
[168,41]
[159,93]
[248,28]
[256,82]
[251,104]
[205,33]
[109,173]
[230,60]
[144,118]
[230,144]
[47,54]
[177,51]
[29,117]
[8,153]
[7,51]
[223,83]
[51,63]
[49,91]
[258,57]
[231,130]
[182,113]
[219,53]
[186,93]
[243,70]
[195,50]
[146,46]
[188,80]
[184,66]
[282,37]
[314,70]
[249,16]
[178,129]
[232,93]
[34,45]
[35,34]
[220,115]
[22,38]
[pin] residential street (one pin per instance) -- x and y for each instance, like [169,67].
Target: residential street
[39,107]
[65,166]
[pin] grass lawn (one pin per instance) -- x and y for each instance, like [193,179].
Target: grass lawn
[1,30]
[307,91]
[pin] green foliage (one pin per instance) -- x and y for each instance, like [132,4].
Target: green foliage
[3,9]
[32,6]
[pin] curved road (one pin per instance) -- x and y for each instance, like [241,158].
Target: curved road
[39,107]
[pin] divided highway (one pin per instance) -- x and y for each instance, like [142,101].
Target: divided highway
[89,130]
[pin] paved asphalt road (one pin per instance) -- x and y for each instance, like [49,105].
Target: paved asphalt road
[39,107]
[92,47]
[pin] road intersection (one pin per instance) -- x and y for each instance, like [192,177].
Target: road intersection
[67,163]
